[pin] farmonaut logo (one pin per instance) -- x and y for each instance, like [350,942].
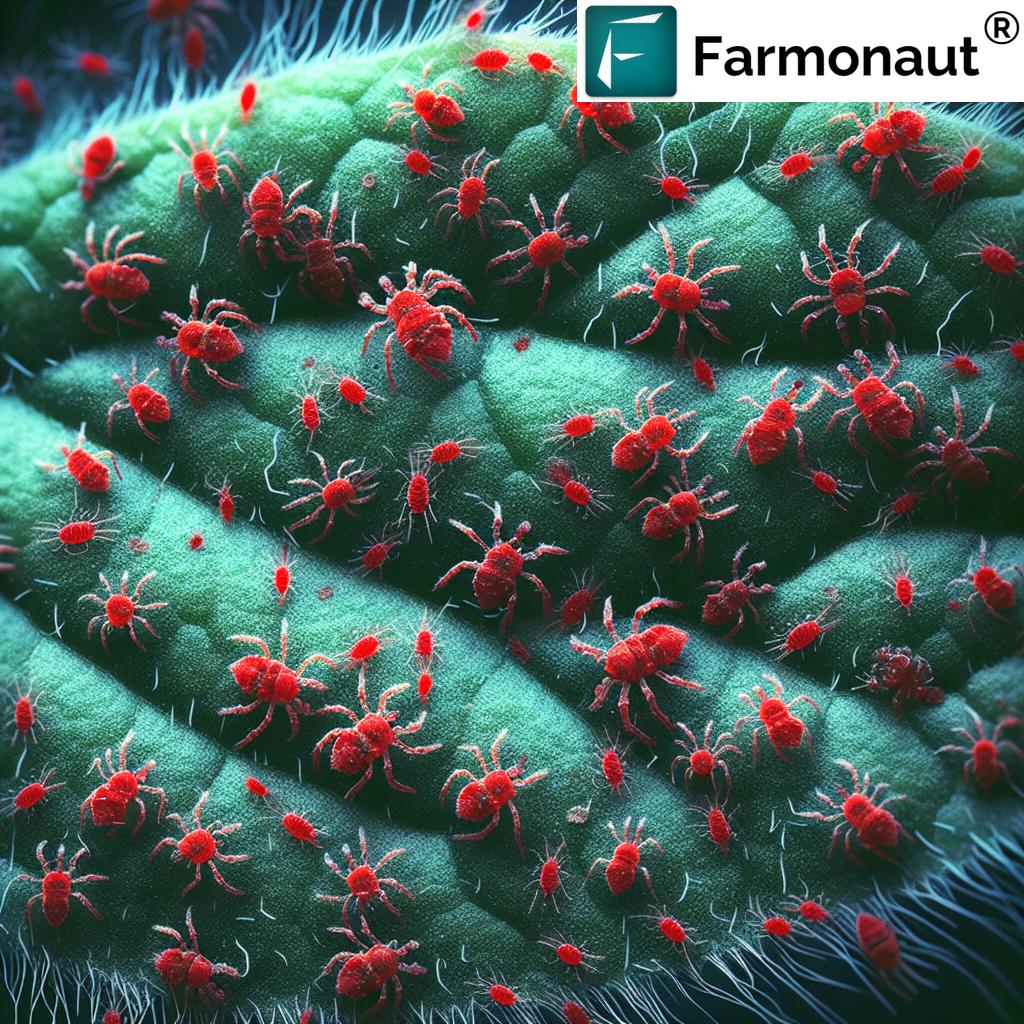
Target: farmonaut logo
[630,50]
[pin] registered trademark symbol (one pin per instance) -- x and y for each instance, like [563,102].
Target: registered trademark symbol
[1001,27]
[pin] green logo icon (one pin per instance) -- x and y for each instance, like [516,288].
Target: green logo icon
[630,51]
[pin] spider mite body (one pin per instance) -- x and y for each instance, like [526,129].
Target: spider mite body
[574,427]
[57,886]
[347,488]
[25,92]
[641,448]
[247,101]
[901,507]
[785,731]
[75,535]
[905,673]
[846,293]
[719,826]
[983,754]
[879,944]
[735,596]
[85,468]
[680,294]
[701,758]
[575,491]
[147,405]
[604,116]
[110,279]
[996,258]
[121,611]
[575,1014]
[432,107]
[993,587]
[578,602]
[371,970]
[611,764]
[956,457]
[269,681]
[184,967]
[490,63]
[904,589]
[548,875]
[268,216]
[201,845]
[765,435]
[282,576]
[682,513]
[415,496]
[885,413]
[353,393]
[365,887]
[326,269]
[108,803]
[837,491]
[675,186]
[208,339]
[575,958]
[810,910]
[621,870]
[861,815]
[496,578]
[99,165]
[807,633]
[206,161]
[445,452]
[891,134]
[422,328]
[484,798]
[25,715]
[952,178]
[356,748]
[798,163]
[702,371]
[671,929]
[958,363]
[469,200]
[34,792]
[632,661]
[544,250]
[225,500]
[778,927]
[376,553]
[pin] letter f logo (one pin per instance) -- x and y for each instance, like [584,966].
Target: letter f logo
[630,51]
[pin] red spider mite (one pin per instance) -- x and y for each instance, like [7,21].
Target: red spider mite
[902,506]
[206,161]
[631,661]
[702,758]
[445,452]
[34,792]
[57,886]
[519,650]
[885,413]
[425,642]
[574,957]
[268,214]
[353,393]
[99,165]
[225,500]
[85,467]
[611,764]
[544,250]
[799,162]
[356,748]
[839,492]
[470,197]
[308,414]
[735,596]
[256,787]
[621,870]
[1014,346]
[208,339]
[247,101]
[110,279]
[983,753]
[778,927]
[477,17]
[958,363]
[347,488]
[282,576]
[846,294]
[907,675]
[578,602]
[121,611]
[299,827]
[879,944]
[653,434]
[195,542]
[998,259]
[890,135]
[679,294]
[193,49]
[422,328]
[418,161]
[671,929]
[376,553]
[326,269]
[365,887]
[121,786]
[372,969]
[548,875]
[415,496]
[306,1017]
[491,63]
[765,436]
[785,731]
[201,845]
[810,910]
[685,508]
[953,177]
[575,1014]
[903,586]
[499,993]
[431,106]
[604,115]
[424,686]
[574,427]
[956,457]
[482,799]
[861,814]
[702,370]
[146,403]
[496,578]
[992,586]
[269,681]
[27,95]
[364,649]
[543,64]
[675,186]
[111,1017]
[576,492]
[75,535]
[810,631]
[25,716]
[184,967]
